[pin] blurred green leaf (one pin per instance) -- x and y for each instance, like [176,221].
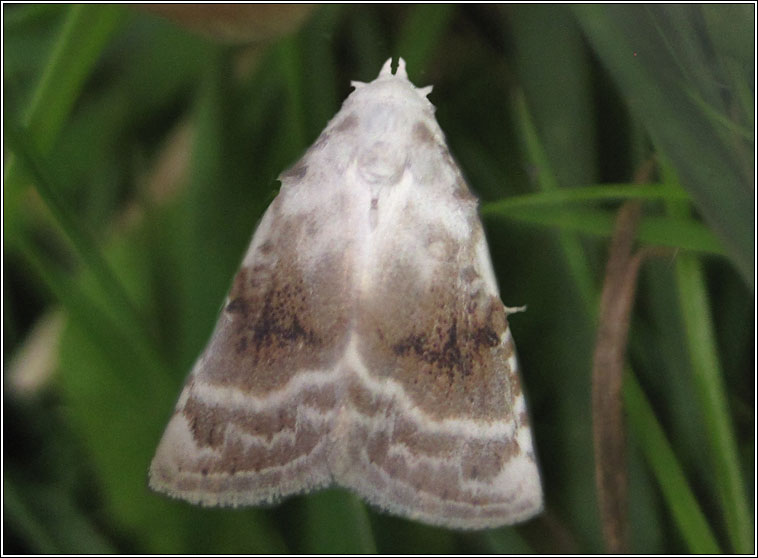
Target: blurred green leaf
[666,69]
[83,241]
[557,88]
[660,231]
[537,156]
[671,479]
[336,523]
[85,32]
[708,378]
[422,31]
[603,192]
[710,390]
[54,526]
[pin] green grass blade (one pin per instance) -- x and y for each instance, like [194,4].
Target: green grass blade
[82,240]
[563,115]
[598,193]
[719,118]
[19,514]
[672,232]
[108,333]
[129,319]
[649,436]
[708,377]
[51,521]
[546,180]
[85,33]
[709,383]
[291,64]
[321,81]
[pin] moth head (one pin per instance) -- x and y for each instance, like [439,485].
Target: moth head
[392,87]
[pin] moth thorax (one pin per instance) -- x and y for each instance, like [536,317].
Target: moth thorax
[382,163]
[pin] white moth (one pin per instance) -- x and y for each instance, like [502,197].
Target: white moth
[363,342]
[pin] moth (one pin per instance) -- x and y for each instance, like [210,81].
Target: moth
[363,342]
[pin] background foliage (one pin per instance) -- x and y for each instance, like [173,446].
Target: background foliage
[139,155]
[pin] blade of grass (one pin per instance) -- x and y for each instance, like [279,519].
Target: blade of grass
[599,193]
[693,299]
[290,58]
[108,333]
[82,240]
[720,118]
[546,181]
[18,513]
[686,234]
[708,378]
[651,439]
[130,321]
[320,76]
[563,116]
[85,33]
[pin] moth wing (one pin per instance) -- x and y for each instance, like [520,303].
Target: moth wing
[251,424]
[435,425]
